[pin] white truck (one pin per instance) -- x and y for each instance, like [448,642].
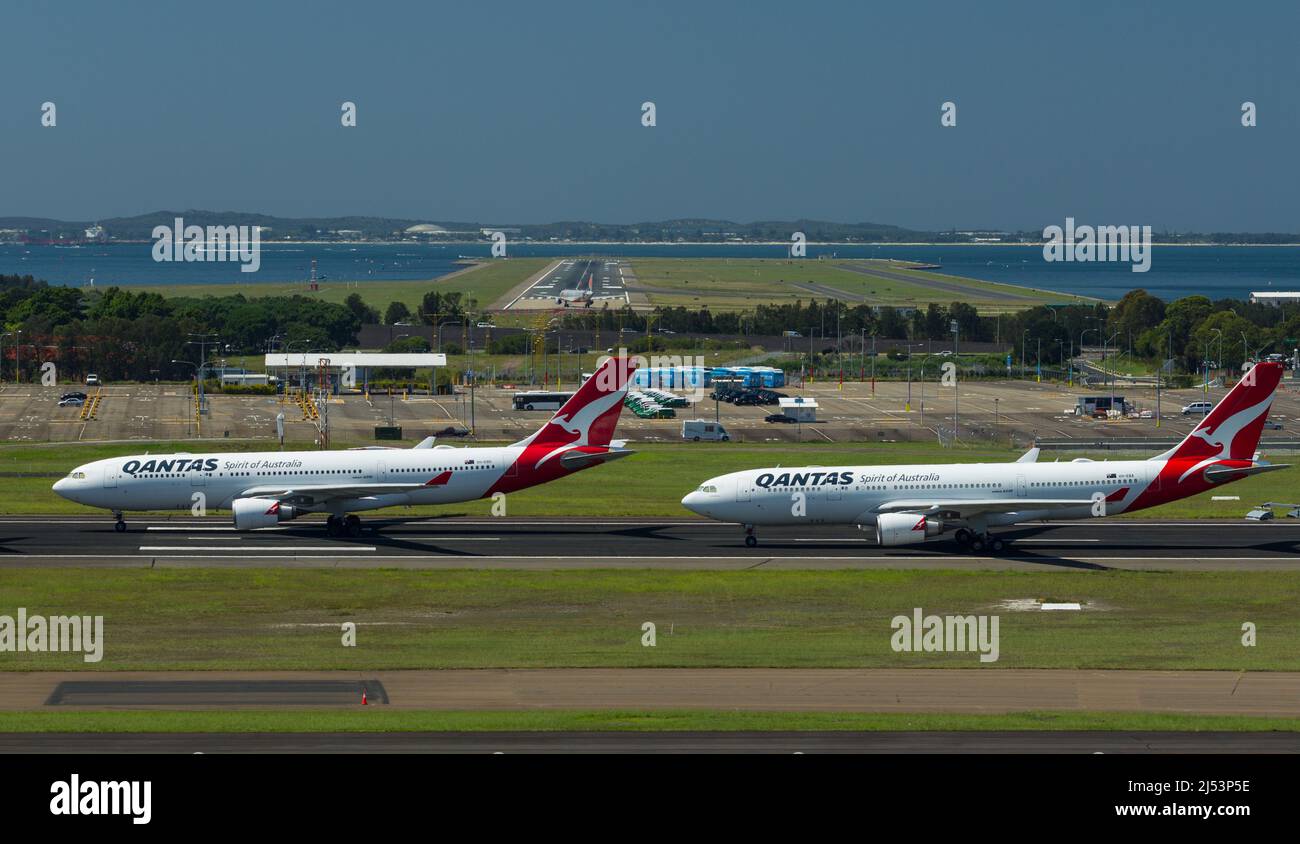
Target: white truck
[703,429]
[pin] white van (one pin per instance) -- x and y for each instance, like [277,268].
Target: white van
[702,429]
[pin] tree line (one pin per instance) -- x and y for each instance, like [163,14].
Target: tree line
[127,335]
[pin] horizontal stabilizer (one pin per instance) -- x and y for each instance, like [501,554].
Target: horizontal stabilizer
[581,459]
[1215,476]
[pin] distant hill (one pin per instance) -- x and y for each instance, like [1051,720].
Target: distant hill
[689,230]
[141,227]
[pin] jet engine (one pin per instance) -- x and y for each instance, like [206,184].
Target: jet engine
[905,529]
[252,513]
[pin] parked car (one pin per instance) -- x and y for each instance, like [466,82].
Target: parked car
[1272,424]
[779,417]
[1260,514]
[71,402]
[1198,407]
[452,431]
[73,395]
[92,380]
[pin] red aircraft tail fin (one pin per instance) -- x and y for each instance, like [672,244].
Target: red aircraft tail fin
[1231,430]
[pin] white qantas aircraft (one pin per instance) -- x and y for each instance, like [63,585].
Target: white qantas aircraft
[909,504]
[264,488]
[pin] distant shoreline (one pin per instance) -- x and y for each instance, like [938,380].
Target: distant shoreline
[773,243]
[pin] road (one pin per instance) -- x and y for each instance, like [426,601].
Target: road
[520,543]
[656,742]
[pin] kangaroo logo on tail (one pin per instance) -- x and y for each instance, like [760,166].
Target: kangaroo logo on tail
[1232,429]
[586,419]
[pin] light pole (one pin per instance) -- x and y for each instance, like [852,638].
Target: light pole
[2,357]
[199,382]
[1106,370]
[956,415]
[1219,359]
[1024,340]
[1081,335]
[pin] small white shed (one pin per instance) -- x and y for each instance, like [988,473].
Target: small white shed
[802,409]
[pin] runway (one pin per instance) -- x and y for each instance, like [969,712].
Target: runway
[1080,742]
[544,544]
[601,278]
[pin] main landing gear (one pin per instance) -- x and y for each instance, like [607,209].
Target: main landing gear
[120,524]
[751,538]
[343,526]
[978,543]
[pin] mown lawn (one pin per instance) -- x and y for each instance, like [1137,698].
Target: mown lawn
[291,618]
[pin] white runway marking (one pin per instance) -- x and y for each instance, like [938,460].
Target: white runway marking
[1018,541]
[347,548]
[755,558]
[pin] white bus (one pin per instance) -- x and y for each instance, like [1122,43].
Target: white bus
[540,400]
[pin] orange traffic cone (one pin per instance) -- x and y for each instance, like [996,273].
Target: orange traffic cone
[363,697]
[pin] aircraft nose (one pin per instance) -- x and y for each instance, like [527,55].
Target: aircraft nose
[692,501]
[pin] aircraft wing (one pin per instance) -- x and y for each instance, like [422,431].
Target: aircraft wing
[966,507]
[316,493]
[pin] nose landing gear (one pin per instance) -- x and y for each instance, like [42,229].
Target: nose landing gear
[751,538]
[120,524]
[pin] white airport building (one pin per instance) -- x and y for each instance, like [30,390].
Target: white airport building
[1277,299]
[299,367]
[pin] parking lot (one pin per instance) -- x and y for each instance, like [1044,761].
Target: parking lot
[1012,412]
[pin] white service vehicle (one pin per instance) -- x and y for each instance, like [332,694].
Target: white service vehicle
[703,429]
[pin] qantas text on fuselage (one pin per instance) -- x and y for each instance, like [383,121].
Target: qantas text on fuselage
[909,504]
[263,489]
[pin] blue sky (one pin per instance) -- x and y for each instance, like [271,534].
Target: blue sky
[527,112]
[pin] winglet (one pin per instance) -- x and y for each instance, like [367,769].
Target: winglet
[427,442]
[1030,456]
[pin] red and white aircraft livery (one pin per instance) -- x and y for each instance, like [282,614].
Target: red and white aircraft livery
[909,504]
[264,488]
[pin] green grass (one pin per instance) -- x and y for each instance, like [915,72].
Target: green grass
[736,283]
[649,485]
[485,282]
[271,619]
[378,719]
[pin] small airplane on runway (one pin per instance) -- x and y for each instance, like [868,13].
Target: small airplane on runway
[907,505]
[262,489]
